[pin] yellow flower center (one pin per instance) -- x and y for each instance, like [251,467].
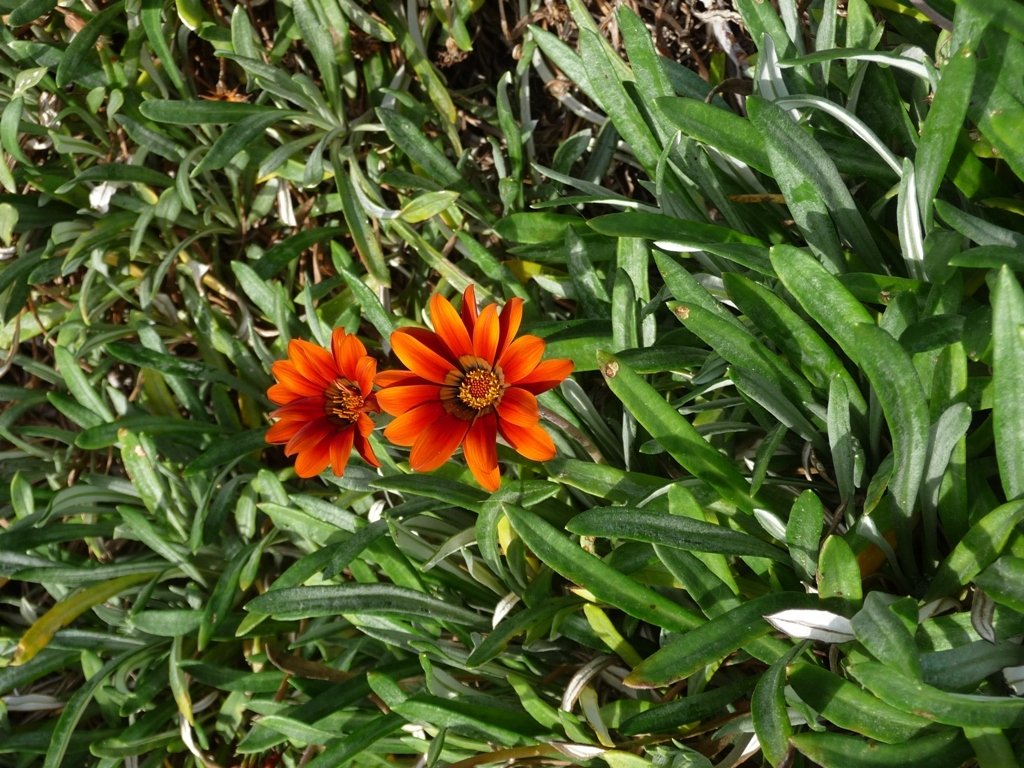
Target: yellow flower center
[343,401]
[479,388]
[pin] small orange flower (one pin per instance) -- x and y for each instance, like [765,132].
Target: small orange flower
[467,383]
[324,399]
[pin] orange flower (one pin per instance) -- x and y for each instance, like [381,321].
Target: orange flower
[324,399]
[467,383]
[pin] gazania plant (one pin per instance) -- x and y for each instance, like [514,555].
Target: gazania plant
[468,382]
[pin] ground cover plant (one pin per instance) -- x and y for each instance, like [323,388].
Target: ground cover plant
[757,375]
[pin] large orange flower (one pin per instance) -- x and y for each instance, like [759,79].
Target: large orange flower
[325,398]
[467,383]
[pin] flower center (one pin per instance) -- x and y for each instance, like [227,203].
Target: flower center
[343,401]
[479,388]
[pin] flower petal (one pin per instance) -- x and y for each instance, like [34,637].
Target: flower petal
[365,425]
[281,395]
[366,451]
[341,448]
[283,431]
[313,362]
[304,408]
[481,451]
[419,358]
[519,407]
[398,400]
[312,462]
[532,442]
[394,378]
[290,378]
[511,317]
[469,308]
[407,428]
[308,436]
[547,375]
[521,357]
[449,326]
[485,334]
[347,351]
[437,443]
[365,373]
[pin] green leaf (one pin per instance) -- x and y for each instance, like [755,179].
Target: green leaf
[1007,375]
[73,58]
[719,128]
[943,123]
[343,750]
[222,453]
[104,435]
[939,706]
[498,638]
[803,534]
[317,38]
[850,707]
[75,709]
[809,179]
[119,172]
[1003,581]
[289,249]
[820,294]
[179,366]
[800,343]
[675,434]
[839,578]
[833,750]
[712,642]
[600,579]
[885,635]
[740,349]
[201,112]
[606,81]
[670,530]
[768,710]
[155,539]
[686,709]
[150,14]
[991,747]
[79,385]
[977,550]
[238,138]
[898,387]
[29,11]
[373,599]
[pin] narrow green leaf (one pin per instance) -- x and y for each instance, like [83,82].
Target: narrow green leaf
[712,642]
[73,58]
[670,530]
[977,550]
[820,294]
[939,706]
[885,635]
[675,434]
[685,709]
[769,712]
[1007,375]
[833,750]
[374,599]
[803,534]
[600,579]
[199,111]
[839,575]
[898,387]
[850,707]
